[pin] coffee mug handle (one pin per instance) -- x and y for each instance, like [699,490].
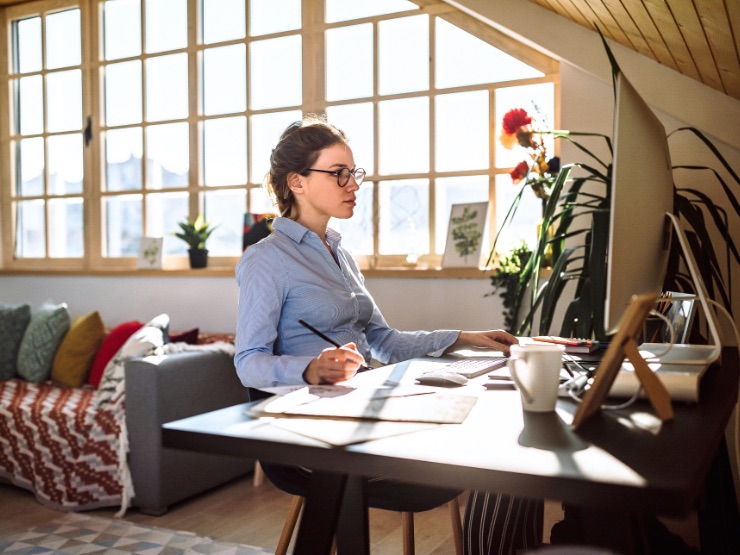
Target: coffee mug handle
[512,369]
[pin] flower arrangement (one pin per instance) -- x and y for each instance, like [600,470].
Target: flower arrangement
[578,207]
[540,172]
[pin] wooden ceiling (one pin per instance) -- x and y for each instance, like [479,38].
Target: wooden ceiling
[698,38]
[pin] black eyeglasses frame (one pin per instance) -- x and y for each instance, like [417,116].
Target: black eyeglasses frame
[347,173]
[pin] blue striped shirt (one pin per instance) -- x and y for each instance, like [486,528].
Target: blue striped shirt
[290,275]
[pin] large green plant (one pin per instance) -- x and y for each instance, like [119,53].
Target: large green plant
[578,212]
[505,282]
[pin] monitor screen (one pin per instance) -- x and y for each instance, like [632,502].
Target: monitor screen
[641,194]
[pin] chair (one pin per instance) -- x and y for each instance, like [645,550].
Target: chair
[290,481]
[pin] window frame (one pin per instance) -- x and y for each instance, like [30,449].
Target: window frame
[313,101]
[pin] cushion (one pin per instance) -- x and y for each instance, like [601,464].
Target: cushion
[77,350]
[148,340]
[13,322]
[190,337]
[109,347]
[40,341]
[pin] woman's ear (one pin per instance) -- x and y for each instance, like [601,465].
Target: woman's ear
[295,183]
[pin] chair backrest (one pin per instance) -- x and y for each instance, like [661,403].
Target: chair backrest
[257,394]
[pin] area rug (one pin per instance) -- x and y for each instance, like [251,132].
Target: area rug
[77,533]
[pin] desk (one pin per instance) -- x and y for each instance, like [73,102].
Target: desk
[618,462]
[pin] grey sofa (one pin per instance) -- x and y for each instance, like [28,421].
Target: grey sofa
[160,389]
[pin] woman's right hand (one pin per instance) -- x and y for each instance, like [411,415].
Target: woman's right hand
[335,364]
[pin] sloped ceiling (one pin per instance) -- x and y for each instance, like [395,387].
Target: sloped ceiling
[698,38]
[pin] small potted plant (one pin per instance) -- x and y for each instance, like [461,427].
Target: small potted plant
[195,234]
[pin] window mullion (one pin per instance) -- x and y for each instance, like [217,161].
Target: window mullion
[313,54]
[195,202]
[431,231]
[92,105]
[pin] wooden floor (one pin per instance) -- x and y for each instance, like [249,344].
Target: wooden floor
[240,512]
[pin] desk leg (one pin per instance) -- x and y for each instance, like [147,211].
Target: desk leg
[719,523]
[320,514]
[616,531]
[622,532]
[353,532]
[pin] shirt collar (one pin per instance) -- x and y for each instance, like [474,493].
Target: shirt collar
[297,232]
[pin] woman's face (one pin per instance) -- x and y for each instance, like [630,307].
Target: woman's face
[320,197]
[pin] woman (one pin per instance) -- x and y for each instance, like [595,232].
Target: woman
[301,271]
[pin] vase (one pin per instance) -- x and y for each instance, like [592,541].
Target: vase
[198,258]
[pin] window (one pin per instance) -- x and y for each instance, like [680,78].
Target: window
[129,117]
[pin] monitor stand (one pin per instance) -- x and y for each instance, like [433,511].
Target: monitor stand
[684,354]
[623,346]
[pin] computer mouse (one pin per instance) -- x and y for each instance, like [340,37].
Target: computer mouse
[443,379]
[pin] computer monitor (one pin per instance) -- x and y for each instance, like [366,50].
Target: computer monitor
[641,196]
[642,224]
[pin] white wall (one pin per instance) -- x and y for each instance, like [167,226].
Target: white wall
[210,303]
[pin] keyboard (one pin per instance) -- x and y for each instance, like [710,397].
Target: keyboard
[474,367]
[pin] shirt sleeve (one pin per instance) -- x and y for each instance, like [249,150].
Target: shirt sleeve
[390,345]
[262,285]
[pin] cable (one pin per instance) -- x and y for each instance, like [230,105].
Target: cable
[672,331]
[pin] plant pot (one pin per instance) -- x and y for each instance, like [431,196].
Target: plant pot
[198,258]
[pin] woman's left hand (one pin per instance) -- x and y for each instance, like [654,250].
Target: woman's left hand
[498,340]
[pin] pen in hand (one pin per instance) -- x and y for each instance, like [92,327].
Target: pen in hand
[328,340]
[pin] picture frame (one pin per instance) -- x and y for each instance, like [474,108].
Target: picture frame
[465,235]
[150,253]
[623,345]
[679,309]
[256,227]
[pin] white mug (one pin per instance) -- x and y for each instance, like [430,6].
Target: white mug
[536,373]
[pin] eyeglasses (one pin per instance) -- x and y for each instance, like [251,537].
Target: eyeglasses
[343,175]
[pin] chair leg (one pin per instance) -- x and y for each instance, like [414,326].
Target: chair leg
[454,506]
[408,534]
[287,534]
[259,476]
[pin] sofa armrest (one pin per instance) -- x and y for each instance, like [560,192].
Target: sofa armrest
[163,388]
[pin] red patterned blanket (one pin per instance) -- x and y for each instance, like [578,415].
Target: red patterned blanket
[56,443]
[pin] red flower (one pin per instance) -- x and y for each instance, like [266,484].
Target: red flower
[520,172]
[514,119]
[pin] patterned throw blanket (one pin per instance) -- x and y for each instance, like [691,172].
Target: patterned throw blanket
[70,446]
[55,442]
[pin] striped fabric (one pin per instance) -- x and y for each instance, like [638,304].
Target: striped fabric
[55,443]
[496,524]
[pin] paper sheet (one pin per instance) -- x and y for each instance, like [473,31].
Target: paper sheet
[347,432]
[398,404]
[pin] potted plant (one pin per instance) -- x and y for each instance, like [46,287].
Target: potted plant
[195,233]
[505,282]
[580,215]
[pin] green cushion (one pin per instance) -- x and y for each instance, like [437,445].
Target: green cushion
[45,331]
[13,322]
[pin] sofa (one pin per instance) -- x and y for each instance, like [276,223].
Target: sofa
[162,388]
[85,447]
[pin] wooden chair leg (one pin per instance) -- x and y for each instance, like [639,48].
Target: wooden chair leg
[408,533]
[259,476]
[454,506]
[290,521]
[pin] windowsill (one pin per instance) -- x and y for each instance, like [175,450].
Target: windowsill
[228,271]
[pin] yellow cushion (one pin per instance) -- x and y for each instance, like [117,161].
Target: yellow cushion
[76,352]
